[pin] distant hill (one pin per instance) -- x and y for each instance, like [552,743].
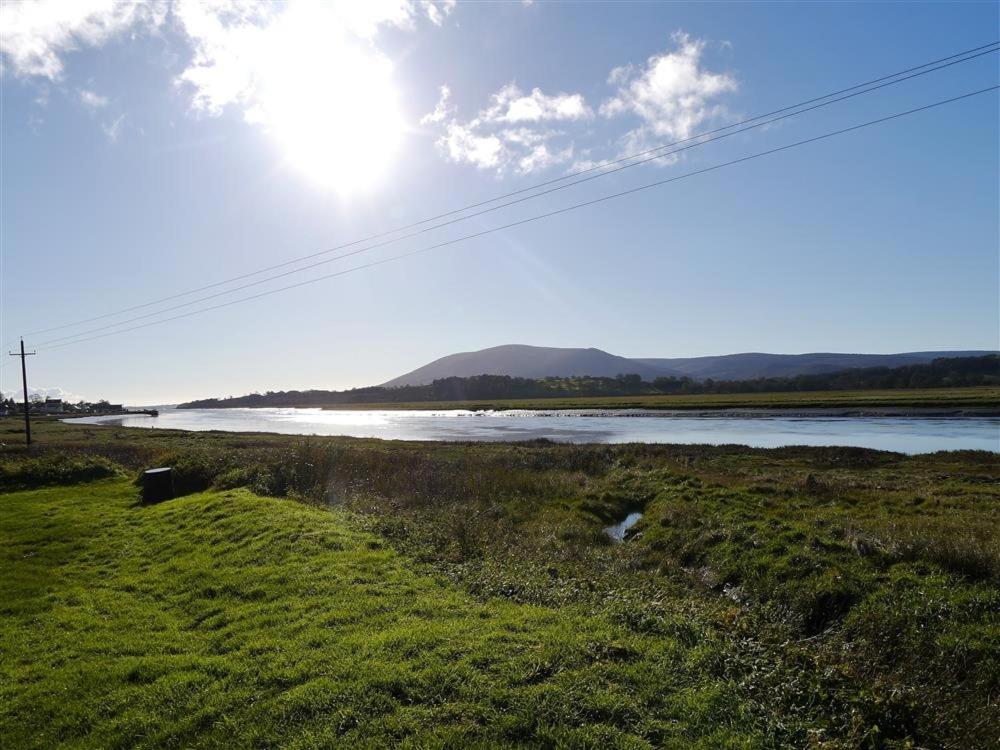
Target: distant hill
[523,361]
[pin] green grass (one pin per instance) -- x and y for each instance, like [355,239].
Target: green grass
[984,397]
[464,595]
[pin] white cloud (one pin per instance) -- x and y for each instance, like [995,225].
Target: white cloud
[460,142]
[487,142]
[312,73]
[35,35]
[228,41]
[672,95]
[511,105]
[463,145]
[92,100]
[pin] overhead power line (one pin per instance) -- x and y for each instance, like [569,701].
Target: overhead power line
[546,215]
[966,55]
[516,201]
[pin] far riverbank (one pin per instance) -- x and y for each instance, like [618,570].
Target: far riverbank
[980,401]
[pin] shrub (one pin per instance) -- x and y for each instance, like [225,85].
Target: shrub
[53,468]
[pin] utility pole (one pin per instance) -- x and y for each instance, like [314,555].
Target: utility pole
[24,382]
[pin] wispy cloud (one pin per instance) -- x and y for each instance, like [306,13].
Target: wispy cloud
[488,141]
[113,128]
[437,11]
[91,99]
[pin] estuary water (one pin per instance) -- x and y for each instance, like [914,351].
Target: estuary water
[902,434]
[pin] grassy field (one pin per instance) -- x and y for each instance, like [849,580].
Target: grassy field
[334,592]
[986,397]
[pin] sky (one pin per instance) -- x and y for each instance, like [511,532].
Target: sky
[153,149]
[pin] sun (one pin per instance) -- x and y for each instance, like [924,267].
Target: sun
[331,102]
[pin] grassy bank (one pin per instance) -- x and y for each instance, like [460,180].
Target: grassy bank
[986,397]
[455,595]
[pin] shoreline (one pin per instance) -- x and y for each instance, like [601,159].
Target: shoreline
[902,412]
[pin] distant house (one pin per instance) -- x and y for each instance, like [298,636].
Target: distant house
[52,406]
[116,407]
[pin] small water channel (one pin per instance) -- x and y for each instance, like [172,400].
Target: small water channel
[616,532]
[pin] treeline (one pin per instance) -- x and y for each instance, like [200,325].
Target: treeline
[954,372]
[941,373]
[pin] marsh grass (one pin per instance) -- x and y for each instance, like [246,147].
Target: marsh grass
[967,545]
[769,598]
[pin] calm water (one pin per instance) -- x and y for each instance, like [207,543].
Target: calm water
[904,434]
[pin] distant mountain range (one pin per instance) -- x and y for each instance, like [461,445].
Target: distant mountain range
[518,360]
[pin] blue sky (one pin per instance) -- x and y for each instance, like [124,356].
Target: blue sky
[152,149]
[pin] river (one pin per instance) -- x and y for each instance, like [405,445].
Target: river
[902,434]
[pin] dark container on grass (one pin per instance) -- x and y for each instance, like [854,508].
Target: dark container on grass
[157,485]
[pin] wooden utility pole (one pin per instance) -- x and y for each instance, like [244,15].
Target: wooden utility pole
[24,382]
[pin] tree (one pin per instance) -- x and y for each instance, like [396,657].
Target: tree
[631,382]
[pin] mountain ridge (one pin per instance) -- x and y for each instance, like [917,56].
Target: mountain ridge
[526,361]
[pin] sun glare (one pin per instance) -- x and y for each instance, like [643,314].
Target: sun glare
[331,102]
